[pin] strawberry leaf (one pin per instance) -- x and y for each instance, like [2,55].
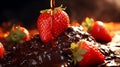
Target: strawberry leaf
[73,46]
[83,52]
[88,23]
[77,52]
[46,10]
[16,35]
[55,10]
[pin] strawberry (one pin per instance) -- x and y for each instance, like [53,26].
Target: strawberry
[44,24]
[85,54]
[60,22]
[98,30]
[50,26]
[18,34]
[2,50]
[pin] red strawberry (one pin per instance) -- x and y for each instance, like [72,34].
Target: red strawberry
[44,24]
[18,34]
[50,26]
[2,50]
[60,22]
[85,54]
[98,30]
[25,31]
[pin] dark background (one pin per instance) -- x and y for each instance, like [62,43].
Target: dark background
[27,11]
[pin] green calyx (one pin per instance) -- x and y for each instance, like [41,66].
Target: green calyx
[50,10]
[46,10]
[16,35]
[77,52]
[88,24]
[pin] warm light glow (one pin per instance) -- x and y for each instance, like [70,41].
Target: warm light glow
[6,34]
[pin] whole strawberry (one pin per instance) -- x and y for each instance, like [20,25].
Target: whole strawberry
[85,54]
[51,26]
[98,30]
[18,34]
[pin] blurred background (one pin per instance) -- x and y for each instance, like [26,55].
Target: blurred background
[26,12]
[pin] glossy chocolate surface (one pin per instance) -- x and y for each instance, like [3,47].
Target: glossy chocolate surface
[35,53]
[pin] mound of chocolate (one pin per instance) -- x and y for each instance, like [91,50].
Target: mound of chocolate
[35,53]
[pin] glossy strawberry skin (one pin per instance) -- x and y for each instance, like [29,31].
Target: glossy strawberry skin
[27,34]
[44,24]
[2,50]
[92,57]
[100,33]
[60,22]
[51,26]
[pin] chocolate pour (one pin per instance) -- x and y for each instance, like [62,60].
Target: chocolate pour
[52,4]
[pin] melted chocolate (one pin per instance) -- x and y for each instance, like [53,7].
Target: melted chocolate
[35,53]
